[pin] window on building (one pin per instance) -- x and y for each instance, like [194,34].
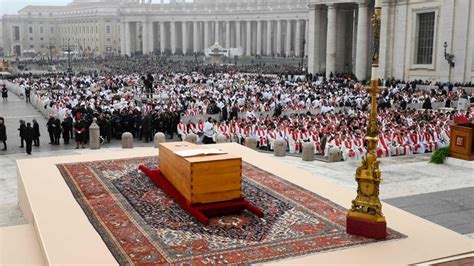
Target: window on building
[41,30]
[30,30]
[16,33]
[31,38]
[32,46]
[107,29]
[107,40]
[51,30]
[42,46]
[41,38]
[425,38]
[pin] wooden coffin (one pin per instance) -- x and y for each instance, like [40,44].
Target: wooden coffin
[201,179]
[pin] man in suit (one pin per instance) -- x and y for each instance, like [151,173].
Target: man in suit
[22,132]
[29,136]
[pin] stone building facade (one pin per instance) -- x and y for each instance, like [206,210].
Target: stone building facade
[335,35]
[413,36]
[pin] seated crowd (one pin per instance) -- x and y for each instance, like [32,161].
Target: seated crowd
[328,113]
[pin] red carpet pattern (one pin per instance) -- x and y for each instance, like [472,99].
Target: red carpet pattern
[140,224]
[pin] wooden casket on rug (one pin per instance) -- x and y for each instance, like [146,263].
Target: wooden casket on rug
[201,178]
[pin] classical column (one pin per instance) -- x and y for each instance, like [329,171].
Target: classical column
[216,33]
[128,39]
[331,40]
[278,38]
[306,32]
[248,48]
[195,37]
[314,39]
[206,34]
[362,42]
[259,37]
[237,34]
[184,33]
[298,38]
[162,37]
[147,37]
[227,34]
[122,38]
[173,36]
[288,38]
[268,51]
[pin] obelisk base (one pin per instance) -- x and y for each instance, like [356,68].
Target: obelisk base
[360,227]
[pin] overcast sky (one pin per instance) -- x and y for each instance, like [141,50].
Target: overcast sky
[12,6]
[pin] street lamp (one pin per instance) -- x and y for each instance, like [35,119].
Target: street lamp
[302,52]
[450,59]
[69,69]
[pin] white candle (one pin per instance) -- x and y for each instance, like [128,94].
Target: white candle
[378,3]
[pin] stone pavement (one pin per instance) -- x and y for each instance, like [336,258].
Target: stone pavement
[442,194]
[453,209]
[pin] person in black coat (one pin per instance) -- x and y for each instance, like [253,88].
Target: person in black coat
[29,135]
[66,128]
[22,132]
[51,126]
[5,93]
[36,133]
[3,133]
[27,95]
[146,128]
[57,131]
[427,103]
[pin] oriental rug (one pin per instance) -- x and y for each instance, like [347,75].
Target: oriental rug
[140,224]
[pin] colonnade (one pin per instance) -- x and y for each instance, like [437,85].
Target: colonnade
[336,36]
[282,38]
[339,38]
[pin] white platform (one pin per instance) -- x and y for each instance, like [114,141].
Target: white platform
[65,235]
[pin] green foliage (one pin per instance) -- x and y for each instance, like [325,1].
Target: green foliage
[440,155]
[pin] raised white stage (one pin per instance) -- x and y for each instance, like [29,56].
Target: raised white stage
[64,235]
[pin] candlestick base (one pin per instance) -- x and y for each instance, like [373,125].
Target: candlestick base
[365,228]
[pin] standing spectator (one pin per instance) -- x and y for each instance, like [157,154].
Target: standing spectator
[29,136]
[80,130]
[3,133]
[57,130]
[27,94]
[146,128]
[51,126]
[36,133]
[22,132]
[5,93]
[66,127]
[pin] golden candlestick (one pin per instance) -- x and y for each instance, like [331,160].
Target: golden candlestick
[365,217]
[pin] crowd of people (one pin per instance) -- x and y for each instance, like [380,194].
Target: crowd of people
[148,96]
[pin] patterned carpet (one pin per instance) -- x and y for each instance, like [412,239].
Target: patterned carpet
[140,224]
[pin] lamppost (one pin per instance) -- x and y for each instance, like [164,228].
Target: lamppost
[69,69]
[365,217]
[302,52]
[450,59]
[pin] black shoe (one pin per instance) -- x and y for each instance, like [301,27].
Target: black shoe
[21,147]
[29,153]
[4,149]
